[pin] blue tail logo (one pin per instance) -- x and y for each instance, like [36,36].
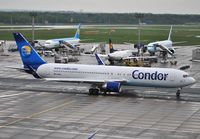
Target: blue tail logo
[30,58]
[26,51]
[77,35]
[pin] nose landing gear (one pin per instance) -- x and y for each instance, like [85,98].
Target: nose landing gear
[178,92]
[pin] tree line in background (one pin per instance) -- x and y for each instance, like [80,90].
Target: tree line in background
[51,18]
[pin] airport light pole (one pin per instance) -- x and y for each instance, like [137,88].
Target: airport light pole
[33,15]
[139,16]
[11,21]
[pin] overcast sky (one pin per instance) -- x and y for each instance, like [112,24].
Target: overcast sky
[119,6]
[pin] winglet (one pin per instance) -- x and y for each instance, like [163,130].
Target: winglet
[77,35]
[170,32]
[99,61]
[29,57]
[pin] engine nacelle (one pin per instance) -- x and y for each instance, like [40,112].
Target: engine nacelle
[172,50]
[112,86]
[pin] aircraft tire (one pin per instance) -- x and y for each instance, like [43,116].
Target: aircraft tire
[93,91]
[178,93]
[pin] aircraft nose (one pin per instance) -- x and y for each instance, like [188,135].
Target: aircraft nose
[149,48]
[192,80]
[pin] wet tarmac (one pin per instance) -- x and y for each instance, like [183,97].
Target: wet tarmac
[37,109]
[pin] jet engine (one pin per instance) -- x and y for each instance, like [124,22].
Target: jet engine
[112,87]
[172,50]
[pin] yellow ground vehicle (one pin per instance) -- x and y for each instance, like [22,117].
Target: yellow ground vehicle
[136,62]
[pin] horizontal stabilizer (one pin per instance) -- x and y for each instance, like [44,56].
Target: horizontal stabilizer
[16,68]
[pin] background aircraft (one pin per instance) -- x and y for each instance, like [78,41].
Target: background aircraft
[116,55]
[71,42]
[165,45]
[101,78]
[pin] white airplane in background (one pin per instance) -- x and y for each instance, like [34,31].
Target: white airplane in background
[165,45]
[101,78]
[70,42]
[118,55]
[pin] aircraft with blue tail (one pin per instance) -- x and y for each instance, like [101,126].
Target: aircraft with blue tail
[102,78]
[165,45]
[71,42]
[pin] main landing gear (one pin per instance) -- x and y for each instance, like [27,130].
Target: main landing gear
[96,90]
[93,91]
[178,92]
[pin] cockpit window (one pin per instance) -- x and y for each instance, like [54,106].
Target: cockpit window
[185,76]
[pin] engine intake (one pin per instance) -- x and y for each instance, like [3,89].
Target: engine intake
[172,50]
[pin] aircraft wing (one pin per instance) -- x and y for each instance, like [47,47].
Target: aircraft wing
[165,49]
[82,80]
[179,42]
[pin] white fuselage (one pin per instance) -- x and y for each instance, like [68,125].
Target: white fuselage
[152,49]
[134,76]
[55,43]
[118,55]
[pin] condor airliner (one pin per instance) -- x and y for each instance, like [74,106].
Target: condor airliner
[70,42]
[101,78]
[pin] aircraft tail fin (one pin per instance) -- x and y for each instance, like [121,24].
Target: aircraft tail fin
[170,32]
[110,46]
[77,35]
[30,58]
[99,61]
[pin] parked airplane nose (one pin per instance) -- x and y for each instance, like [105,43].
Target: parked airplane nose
[151,48]
[192,80]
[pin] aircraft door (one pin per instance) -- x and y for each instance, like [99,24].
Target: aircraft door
[172,76]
